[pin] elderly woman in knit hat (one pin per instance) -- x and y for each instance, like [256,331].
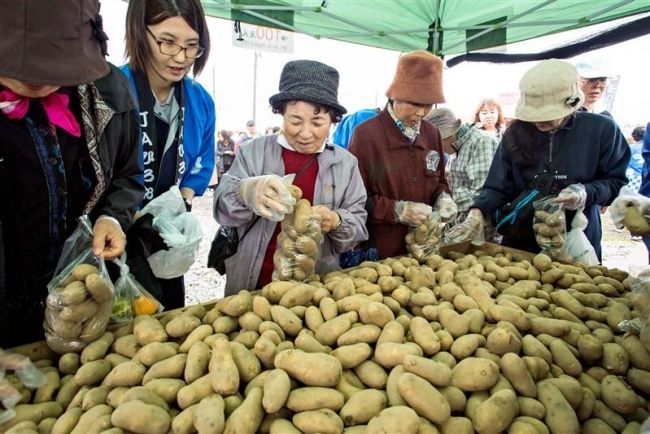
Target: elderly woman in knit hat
[401,158]
[582,156]
[69,147]
[470,151]
[327,175]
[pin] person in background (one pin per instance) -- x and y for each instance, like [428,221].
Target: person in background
[250,133]
[69,147]
[593,84]
[489,117]
[346,127]
[644,190]
[225,152]
[634,170]
[327,175]
[401,158]
[165,40]
[548,138]
[470,152]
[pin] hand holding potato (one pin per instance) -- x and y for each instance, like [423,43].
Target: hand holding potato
[329,220]
[267,196]
[109,240]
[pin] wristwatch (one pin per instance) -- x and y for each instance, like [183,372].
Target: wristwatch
[188,204]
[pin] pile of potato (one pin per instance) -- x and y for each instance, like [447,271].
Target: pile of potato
[468,343]
[78,310]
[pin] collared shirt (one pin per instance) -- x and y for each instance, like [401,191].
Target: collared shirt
[282,141]
[409,132]
[466,172]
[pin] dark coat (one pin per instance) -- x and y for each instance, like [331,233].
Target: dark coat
[21,293]
[590,149]
[395,169]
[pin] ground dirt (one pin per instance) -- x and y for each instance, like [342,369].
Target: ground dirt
[205,284]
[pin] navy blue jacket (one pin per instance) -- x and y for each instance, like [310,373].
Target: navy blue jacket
[590,149]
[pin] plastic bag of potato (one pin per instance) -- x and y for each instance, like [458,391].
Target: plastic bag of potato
[549,225]
[298,243]
[424,240]
[79,301]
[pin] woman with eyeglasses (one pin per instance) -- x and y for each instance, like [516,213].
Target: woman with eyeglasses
[165,40]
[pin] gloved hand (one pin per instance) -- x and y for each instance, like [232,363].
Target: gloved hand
[329,220]
[412,213]
[109,240]
[471,229]
[267,196]
[572,197]
[446,207]
[28,374]
[633,212]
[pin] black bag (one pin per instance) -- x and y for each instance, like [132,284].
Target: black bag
[224,245]
[515,219]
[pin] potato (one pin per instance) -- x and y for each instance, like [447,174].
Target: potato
[99,288]
[247,417]
[424,398]
[560,417]
[210,417]
[618,396]
[142,418]
[473,374]
[312,369]
[224,374]
[276,390]
[363,406]
[172,367]
[514,369]
[323,421]
[166,388]
[149,330]
[436,373]
[92,372]
[128,373]
[371,374]
[496,413]
[314,398]
[34,413]
[182,326]
[396,420]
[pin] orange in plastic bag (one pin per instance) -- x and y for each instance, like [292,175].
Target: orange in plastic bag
[144,305]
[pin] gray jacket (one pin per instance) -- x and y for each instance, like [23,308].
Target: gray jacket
[338,186]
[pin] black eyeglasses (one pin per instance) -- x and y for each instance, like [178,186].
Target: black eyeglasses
[595,80]
[171,48]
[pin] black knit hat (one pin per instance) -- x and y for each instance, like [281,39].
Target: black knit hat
[311,81]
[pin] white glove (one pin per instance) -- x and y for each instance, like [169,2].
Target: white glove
[446,207]
[329,220]
[572,197]
[470,229]
[412,213]
[267,196]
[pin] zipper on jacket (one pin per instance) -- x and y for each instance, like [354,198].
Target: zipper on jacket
[550,146]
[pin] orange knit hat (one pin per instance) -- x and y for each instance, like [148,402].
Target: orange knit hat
[418,79]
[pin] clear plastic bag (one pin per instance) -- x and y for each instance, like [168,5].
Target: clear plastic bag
[79,301]
[578,247]
[549,225]
[131,299]
[640,290]
[298,245]
[424,241]
[25,374]
[181,232]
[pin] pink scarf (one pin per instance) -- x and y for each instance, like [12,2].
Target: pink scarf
[55,104]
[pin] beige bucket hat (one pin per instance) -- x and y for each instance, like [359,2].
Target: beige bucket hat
[549,91]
